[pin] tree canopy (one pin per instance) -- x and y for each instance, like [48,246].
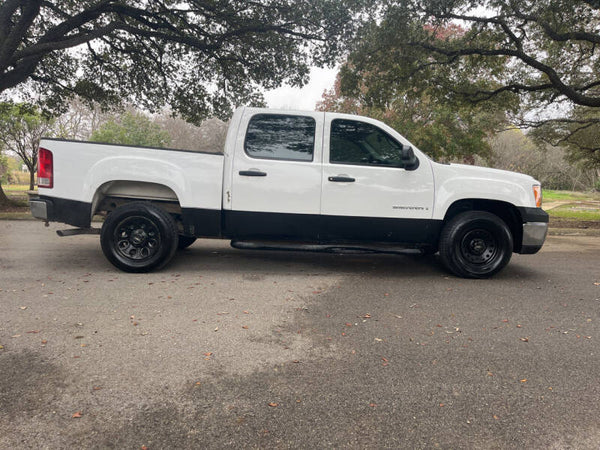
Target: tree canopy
[131,128]
[537,60]
[22,126]
[202,57]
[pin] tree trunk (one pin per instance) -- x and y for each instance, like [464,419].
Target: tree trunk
[31,180]
[4,200]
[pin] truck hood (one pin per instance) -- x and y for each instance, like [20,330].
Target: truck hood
[478,172]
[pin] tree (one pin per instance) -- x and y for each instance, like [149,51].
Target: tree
[209,136]
[131,128]
[538,55]
[80,120]
[201,57]
[22,125]
[442,127]
[4,200]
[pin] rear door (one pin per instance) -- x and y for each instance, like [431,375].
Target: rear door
[276,176]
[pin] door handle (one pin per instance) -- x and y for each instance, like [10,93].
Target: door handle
[252,173]
[340,179]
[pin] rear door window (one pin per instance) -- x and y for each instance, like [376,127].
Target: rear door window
[280,136]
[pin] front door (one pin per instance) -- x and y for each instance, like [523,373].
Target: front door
[367,195]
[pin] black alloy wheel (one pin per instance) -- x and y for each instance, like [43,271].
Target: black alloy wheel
[139,237]
[476,244]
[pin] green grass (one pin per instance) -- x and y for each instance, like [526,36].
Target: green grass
[15,187]
[551,195]
[576,211]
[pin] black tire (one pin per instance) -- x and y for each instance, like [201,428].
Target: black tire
[475,244]
[185,241]
[139,237]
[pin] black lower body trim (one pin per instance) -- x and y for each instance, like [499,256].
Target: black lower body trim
[272,226]
[533,214]
[342,229]
[71,212]
[325,229]
[202,222]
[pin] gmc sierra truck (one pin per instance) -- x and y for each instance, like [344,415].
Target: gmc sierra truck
[290,179]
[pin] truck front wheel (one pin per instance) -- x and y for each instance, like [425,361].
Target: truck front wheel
[475,244]
[139,237]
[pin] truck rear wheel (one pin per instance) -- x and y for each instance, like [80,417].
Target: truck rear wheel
[139,237]
[475,244]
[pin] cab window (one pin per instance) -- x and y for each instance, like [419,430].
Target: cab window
[360,143]
[279,136]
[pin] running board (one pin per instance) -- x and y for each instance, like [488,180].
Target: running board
[324,248]
[76,231]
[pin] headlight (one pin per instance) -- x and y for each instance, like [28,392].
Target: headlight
[537,194]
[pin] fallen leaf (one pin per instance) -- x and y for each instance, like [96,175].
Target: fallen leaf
[273,405]
[1,347]
[77,415]
[524,380]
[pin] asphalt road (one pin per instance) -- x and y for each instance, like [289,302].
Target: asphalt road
[229,348]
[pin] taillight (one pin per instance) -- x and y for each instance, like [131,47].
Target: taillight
[537,194]
[45,169]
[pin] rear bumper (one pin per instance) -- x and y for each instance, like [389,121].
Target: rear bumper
[535,229]
[53,209]
[39,208]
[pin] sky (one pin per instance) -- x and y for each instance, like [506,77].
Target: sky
[302,98]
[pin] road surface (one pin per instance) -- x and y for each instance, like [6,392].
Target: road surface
[229,348]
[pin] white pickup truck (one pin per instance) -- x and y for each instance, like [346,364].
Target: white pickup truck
[291,179]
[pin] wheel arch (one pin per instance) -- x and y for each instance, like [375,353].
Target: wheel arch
[505,210]
[112,194]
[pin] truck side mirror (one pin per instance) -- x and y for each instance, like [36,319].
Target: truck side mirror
[408,158]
